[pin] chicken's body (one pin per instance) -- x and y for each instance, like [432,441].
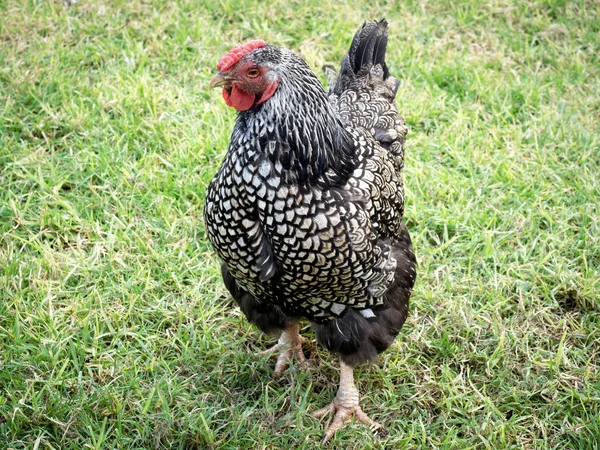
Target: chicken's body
[306,210]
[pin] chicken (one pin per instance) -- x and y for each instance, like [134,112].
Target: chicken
[306,210]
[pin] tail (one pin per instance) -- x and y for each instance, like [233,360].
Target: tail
[366,57]
[363,92]
[367,49]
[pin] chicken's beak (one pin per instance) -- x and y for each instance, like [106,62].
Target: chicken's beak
[219,80]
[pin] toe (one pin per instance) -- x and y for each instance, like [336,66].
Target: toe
[341,417]
[374,426]
[271,351]
[363,418]
[283,362]
[300,355]
[323,412]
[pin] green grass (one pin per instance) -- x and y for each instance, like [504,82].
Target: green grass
[115,329]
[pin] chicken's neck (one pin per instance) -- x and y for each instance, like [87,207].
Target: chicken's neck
[298,129]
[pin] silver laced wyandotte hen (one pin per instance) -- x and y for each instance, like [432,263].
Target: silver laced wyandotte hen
[306,210]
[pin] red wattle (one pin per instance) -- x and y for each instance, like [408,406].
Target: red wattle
[268,92]
[226,97]
[240,100]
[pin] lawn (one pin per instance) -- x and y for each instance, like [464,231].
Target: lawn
[115,329]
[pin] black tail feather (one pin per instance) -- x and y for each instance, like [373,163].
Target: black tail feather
[364,72]
[368,48]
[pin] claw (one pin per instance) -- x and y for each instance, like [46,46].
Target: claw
[342,416]
[344,406]
[289,345]
[285,357]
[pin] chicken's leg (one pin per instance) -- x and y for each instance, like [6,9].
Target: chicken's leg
[289,345]
[345,405]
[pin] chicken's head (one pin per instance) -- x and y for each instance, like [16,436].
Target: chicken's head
[244,76]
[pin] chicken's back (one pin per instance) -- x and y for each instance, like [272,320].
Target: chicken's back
[363,95]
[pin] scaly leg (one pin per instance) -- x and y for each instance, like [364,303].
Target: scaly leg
[345,405]
[289,345]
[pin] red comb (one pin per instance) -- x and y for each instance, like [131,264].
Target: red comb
[237,53]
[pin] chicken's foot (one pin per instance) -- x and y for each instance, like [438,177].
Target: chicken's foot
[289,345]
[344,406]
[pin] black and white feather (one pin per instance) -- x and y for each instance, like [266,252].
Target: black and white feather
[306,210]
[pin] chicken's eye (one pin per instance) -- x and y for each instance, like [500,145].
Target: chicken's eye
[252,73]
